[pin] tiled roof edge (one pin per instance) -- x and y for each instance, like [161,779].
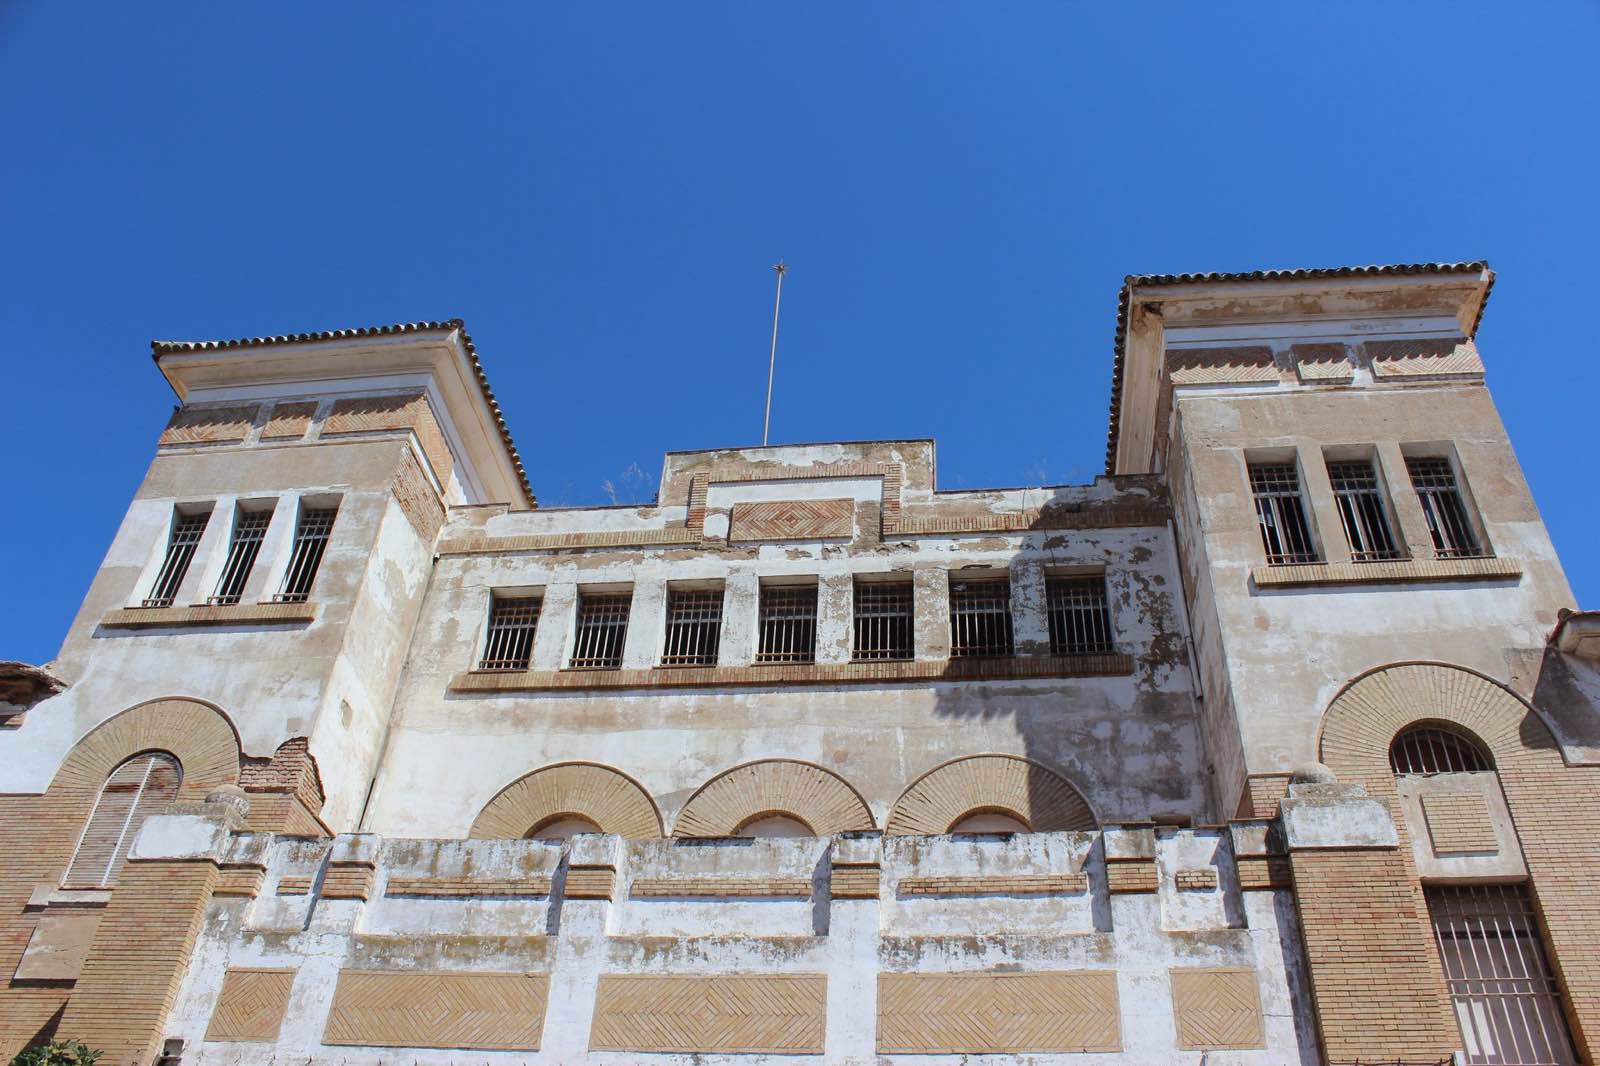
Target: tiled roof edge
[1303,273]
[160,348]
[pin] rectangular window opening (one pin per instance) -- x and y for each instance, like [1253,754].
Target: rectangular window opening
[249,530]
[1503,990]
[1080,616]
[1435,481]
[980,618]
[883,621]
[310,542]
[694,627]
[181,544]
[602,629]
[509,643]
[788,624]
[1361,511]
[1281,513]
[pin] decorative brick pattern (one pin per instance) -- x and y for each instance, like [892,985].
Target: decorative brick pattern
[242,881]
[855,880]
[289,421]
[1131,875]
[197,734]
[716,887]
[591,882]
[791,520]
[1038,796]
[1217,1009]
[1259,873]
[410,410]
[1009,1013]
[295,884]
[1425,359]
[1323,364]
[611,538]
[608,798]
[1379,573]
[251,1005]
[695,512]
[819,798]
[1459,822]
[1118,515]
[210,425]
[1196,880]
[483,1011]
[462,888]
[771,1014]
[996,885]
[348,880]
[417,499]
[211,615]
[864,673]
[1211,366]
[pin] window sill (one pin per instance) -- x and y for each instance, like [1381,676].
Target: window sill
[1400,571]
[203,615]
[1015,668]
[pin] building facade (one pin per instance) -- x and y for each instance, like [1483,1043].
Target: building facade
[1278,743]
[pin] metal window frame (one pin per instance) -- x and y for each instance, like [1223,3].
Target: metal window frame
[313,529]
[1364,510]
[786,624]
[183,540]
[244,549]
[693,631]
[513,625]
[1078,611]
[1452,521]
[1282,512]
[883,612]
[600,630]
[981,626]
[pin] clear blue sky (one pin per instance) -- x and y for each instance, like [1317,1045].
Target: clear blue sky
[599,190]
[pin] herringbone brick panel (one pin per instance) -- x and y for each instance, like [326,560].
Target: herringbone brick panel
[985,1013]
[487,1011]
[791,520]
[775,1014]
[251,1005]
[1217,1009]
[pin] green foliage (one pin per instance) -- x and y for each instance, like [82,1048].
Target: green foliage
[58,1053]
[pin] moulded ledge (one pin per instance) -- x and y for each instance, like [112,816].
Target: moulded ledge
[1396,571]
[210,615]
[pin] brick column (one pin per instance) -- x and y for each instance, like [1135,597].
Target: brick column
[142,948]
[1376,981]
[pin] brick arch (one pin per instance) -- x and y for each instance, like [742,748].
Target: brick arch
[1034,794]
[197,733]
[609,798]
[820,798]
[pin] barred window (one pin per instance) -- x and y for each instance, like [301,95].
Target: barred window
[1435,481]
[883,620]
[980,618]
[602,629]
[694,627]
[181,544]
[249,529]
[1281,512]
[1504,991]
[142,786]
[512,622]
[1080,616]
[1424,750]
[1366,526]
[788,624]
[310,542]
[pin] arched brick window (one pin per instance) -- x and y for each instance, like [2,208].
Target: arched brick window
[1425,750]
[138,788]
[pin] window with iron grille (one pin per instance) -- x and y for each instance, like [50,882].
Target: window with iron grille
[140,787]
[1504,992]
[1281,513]
[602,629]
[1423,751]
[883,620]
[1366,526]
[310,541]
[181,543]
[1435,481]
[1080,616]
[694,627]
[509,643]
[249,529]
[980,618]
[788,624]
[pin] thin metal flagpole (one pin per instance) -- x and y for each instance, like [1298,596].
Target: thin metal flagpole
[772,360]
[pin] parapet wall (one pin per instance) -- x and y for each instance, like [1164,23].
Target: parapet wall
[1133,944]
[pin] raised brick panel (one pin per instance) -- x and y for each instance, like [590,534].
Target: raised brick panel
[467,888]
[251,1005]
[348,880]
[1196,880]
[1459,822]
[855,880]
[140,952]
[591,882]
[736,1014]
[1425,358]
[371,414]
[485,1011]
[210,425]
[1125,876]
[714,887]
[819,798]
[1038,796]
[608,798]
[289,421]
[200,737]
[1323,364]
[1013,1013]
[242,881]
[1217,1009]
[791,520]
[996,885]
[1209,366]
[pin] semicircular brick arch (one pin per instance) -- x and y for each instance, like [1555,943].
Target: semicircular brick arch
[609,798]
[1034,794]
[820,798]
[198,734]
